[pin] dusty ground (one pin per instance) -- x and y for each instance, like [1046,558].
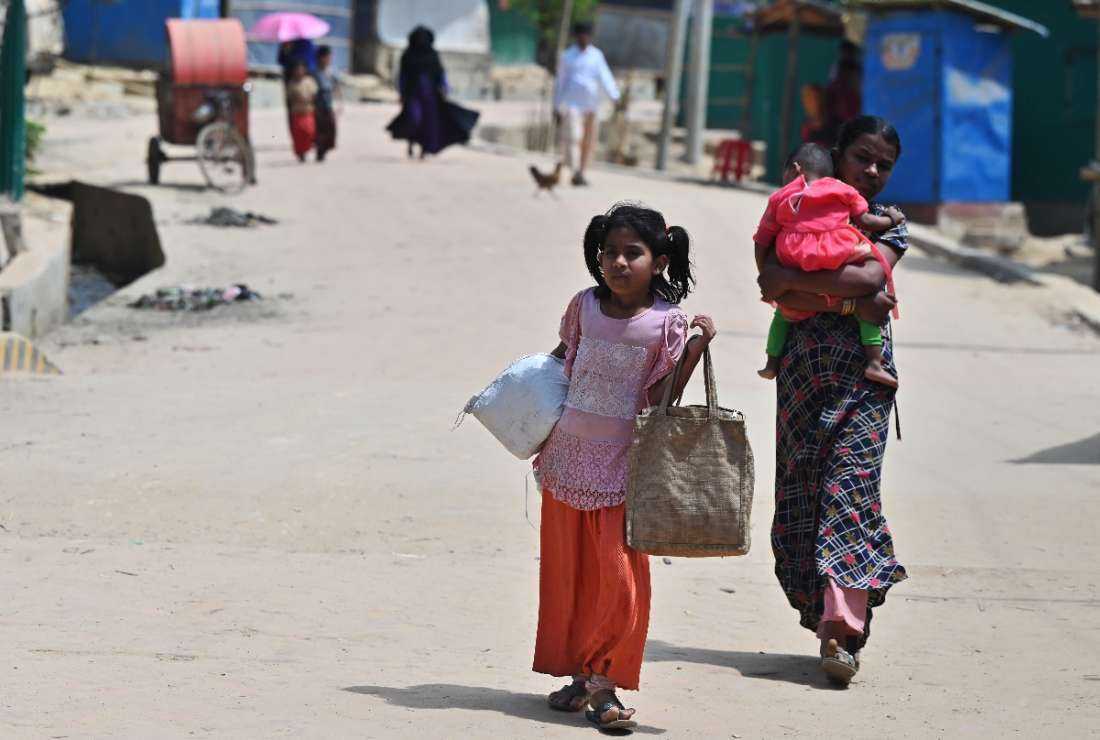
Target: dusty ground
[259,523]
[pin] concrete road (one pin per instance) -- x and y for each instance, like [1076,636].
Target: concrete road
[258,522]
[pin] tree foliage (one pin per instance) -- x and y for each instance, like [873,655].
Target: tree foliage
[546,16]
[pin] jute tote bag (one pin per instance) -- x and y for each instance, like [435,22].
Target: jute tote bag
[690,482]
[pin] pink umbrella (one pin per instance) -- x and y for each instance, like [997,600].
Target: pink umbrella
[288,27]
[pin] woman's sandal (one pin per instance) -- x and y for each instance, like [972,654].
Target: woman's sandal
[602,703]
[569,698]
[839,665]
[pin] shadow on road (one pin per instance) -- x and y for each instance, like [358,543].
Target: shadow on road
[479,698]
[797,669]
[929,265]
[1084,452]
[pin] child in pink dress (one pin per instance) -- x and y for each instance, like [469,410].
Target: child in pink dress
[809,223]
[620,340]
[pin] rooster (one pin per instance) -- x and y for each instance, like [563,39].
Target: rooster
[545,181]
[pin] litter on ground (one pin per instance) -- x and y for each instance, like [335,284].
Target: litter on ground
[195,299]
[222,216]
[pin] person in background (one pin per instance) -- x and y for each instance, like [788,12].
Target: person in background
[848,51]
[813,107]
[301,96]
[582,75]
[427,117]
[843,94]
[293,52]
[328,91]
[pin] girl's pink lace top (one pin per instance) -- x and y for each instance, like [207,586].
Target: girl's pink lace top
[611,365]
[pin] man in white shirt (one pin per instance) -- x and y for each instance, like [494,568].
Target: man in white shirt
[583,75]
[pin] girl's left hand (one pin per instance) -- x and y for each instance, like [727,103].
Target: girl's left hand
[705,324]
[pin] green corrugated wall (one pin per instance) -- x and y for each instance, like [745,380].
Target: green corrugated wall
[512,36]
[1054,115]
[13,123]
[729,51]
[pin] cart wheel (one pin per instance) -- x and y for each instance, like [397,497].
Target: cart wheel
[224,157]
[153,159]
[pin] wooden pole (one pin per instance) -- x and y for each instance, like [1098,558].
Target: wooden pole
[787,104]
[702,26]
[750,87]
[1096,185]
[673,69]
[559,49]
[563,28]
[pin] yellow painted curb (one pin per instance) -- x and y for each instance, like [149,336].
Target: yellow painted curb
[18,355]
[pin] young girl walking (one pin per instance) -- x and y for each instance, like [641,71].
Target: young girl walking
[301,94]
[620,341]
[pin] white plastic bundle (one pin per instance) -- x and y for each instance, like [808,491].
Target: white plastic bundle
[522,405]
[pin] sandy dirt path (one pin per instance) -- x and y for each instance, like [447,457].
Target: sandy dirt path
[258,522]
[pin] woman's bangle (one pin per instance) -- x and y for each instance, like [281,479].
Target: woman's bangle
[848,307]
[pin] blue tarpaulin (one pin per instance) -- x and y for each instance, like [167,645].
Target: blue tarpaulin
[945,82]
[126,32]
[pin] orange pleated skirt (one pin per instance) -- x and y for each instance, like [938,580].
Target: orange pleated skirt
[303,132]
[594,595]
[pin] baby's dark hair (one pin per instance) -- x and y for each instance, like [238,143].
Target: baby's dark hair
[662,240]
[814,159]
[324,50]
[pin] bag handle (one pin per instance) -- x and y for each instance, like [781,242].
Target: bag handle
[708,379]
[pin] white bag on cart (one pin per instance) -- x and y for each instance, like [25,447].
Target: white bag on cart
[522,404]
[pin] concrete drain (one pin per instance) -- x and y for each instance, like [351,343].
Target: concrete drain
[114,241]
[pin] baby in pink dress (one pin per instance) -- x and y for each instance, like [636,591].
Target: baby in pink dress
[809,223]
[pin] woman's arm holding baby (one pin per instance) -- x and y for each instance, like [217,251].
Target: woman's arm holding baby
[850,281]
[872,308]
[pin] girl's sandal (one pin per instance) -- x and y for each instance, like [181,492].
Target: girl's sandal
[839,665]
[608,713]
[569,698]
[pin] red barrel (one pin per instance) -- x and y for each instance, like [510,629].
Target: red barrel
[207,52]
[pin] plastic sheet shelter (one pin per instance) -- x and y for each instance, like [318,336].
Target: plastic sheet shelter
[941,71]
[126,32]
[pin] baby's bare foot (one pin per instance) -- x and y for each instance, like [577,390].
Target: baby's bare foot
[770,371]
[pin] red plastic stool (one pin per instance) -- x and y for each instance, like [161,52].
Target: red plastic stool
[731,157]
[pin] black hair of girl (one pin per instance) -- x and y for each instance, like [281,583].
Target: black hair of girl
[860,125]
[669,241]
